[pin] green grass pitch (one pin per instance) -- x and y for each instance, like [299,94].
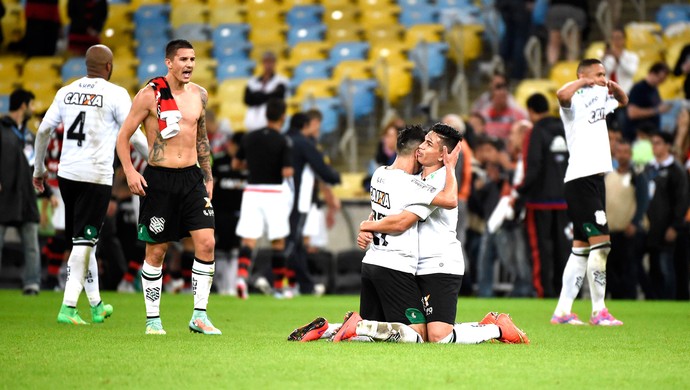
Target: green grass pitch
[650,351]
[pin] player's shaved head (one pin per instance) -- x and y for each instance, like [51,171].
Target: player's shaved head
[409,139]
[99,61]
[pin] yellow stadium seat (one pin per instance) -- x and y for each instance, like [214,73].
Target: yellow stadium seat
[7,87]
[215,4]
[287,4]
[383,33]
[546,87]
[232,90]
[189,13]
[266,5]
[677,34]
[227,13]
[307,51]
[118,35]
[650,53]
[563,72]
[43,90]
[205,72]
[394,79]
[135,4]
[350,186]
[383,16]
[336,3]
[354,69]
[235,112]
[184,3]
[672,88]
[10,67]
[642,34]
[13,23]
[268,34]
[468,37]
[393,51]
[337,34]
[367,5]
[341,16]
[673,52]
[595,49]
[42,68]
[119,14]
[423,32]
[315,88]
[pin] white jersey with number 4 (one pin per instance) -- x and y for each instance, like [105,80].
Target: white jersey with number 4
[586,132]
[92,110]
[440,252]
[392,191]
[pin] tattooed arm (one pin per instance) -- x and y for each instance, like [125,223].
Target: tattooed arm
[203,148]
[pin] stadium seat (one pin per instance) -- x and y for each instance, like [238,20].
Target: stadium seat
[423,32]
[193,32]
[10,67]
[289,4]
[44,90]
[349,51]
[595,49]
[152,48]
[125,72]
[563,72]
[546,87]
[149,68]
[353,69]
[143,3]
[311,33]
[669,14]
[412,3]
[672,88]
[154,13]
[307,51]
[673,52]
[432,55]
[392,32]
[185,3]
[227,13]
[391,50]
[230,32]
[13,23]
[642,35]
[454,3]
[394,79]
[253,5]
[330,110]
[189,14]
[310,70]
[350,187]
[315,88]
[341,16]
[278,48]
[361,91]
[384,16]
[7,87]
[264,17]
[650,53]
[235,112]
[367,5]
[234,68]
[229,50]
[42,68]
[336,3]
[469,38]
[119,15]
[419,14]
[4,103]
[232,89]
[118,36]
[204,72]
[73,68]
[343,34]
[304,15]
[152,30]
[215,4]
[269,34]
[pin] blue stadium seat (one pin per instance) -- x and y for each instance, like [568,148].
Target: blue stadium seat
[330,109]
[74,67]
[310,70]
[234,69]
[152,47]
[412,3]
[419,14]
[149,68]
[363,97]
[454,3]
[194,32]
[152,29]
[311,33]
[230,32]
[234,50]
[4,104]
[151,13]
[304,15]
[435,58]
[669,14]
[349,51]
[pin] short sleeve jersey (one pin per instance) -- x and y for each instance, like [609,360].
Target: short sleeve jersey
[92,110]
[391,191]
[440,252]
[266,152]
[586,132]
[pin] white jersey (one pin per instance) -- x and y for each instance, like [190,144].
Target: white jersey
[440,252]
[92,110]
[586,132]
[392,191]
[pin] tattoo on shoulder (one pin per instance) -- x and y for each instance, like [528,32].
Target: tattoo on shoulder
[158,149]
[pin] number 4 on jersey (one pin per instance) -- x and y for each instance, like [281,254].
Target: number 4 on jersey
[76,130]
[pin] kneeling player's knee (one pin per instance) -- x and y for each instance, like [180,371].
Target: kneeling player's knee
[205,244]
[436,335]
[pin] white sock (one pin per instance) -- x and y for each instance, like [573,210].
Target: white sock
[573,277]
[76,270]
[388,331]
[91,281]
[202,277]
[596,274]
[332,329]
[472,333]
[152,285]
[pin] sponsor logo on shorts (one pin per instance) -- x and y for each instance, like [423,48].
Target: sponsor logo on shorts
[600,217]
[208,202]
[428,309]
[157,224]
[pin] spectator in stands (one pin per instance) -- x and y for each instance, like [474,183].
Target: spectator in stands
[682,67]
[498,80]
[615,136]
[267,85]
[559,12]
[18,203]
[308,163]
[475,127]
[621,64]
[42,28]
[218,134]
[667,209]
[645,103]
[499,114]
[682,252]
[517,16]
[542,191]
[642,153]
[87,18]
[627,196]
[385,150]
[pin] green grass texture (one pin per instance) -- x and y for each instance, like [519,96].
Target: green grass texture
[651,351]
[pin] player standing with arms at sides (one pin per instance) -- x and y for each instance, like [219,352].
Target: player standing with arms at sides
[176,193]
[92,110]
[585,103]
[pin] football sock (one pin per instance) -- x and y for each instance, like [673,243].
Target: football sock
[471,333]
[202,277]
[244,262]
[596,274]
[186,264]
[388,331]
[573,277]
[278,267]
[91,287]
[152,285]
[76,270]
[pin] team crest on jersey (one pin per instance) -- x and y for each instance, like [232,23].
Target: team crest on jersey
[84,99]
[379,197]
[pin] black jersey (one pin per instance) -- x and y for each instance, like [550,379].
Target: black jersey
[267,152]
[228,185]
